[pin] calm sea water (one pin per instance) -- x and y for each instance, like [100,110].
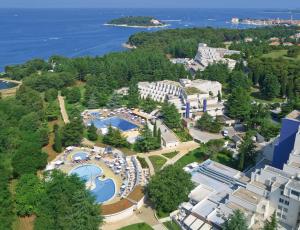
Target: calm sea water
[40,33]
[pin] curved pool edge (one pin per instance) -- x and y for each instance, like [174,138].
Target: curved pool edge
[98,176]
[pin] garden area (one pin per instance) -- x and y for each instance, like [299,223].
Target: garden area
[171,154]
[157,162]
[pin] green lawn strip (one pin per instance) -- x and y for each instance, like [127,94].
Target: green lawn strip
[157,162]
[140,226]
[143,162]
[194,156]
[171,154]
[279,54]
[171,225]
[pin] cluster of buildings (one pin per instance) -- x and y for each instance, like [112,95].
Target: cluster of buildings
[191,97]
[265,22]
[207,56]
[272,189]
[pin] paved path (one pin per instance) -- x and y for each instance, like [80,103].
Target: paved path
[63,110]
[151,168]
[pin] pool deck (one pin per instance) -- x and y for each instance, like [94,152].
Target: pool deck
[69,166]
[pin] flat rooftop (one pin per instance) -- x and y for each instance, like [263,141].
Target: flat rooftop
[247,195]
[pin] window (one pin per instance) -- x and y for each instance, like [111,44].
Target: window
[286,202]
[285,210]
[279,207]
[281,193]
[278,214]
[295,193]
[281,200]
[283,217]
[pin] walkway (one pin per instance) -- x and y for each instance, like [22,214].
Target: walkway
[63,110]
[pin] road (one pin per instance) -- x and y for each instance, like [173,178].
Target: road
[63,110]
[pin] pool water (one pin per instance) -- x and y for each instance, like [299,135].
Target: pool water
[104,190]
[115,122]
[6,85]
[82,155]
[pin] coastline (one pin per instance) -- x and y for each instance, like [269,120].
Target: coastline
[141,27]
[128,46]
[11,91]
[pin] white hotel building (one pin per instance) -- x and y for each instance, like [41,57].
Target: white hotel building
[192,95]
[220,190]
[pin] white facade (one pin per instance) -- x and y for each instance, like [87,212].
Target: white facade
[208,55]
[194,92]
[269,190]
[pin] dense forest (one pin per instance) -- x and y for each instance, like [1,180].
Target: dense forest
[255,86]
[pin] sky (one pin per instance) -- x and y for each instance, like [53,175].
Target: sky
[150,3]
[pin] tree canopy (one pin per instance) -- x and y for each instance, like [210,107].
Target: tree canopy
[170,187]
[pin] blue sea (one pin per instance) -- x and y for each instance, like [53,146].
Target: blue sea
[40,33]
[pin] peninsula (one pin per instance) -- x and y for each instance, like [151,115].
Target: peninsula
[136,22]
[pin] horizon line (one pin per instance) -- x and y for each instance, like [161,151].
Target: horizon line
[261,8]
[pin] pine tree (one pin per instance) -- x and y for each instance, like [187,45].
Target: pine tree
[92,133]
[159,137]
[272,224]
[57,146]
[237,221]
[219,96]
[155,130]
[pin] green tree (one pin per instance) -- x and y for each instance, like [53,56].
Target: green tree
[239,104]
[271,224]
[171,116]
[72,133]
[236,221]
[73,95]
[51,95]
[270,86]
[133,96]
[28,194]
[146,141]
[66,204]
[207,123]
[114,138]
[57,146]
[247,152]
[158,137]
[92,133]
[170,187]
[239,79]
[6,200]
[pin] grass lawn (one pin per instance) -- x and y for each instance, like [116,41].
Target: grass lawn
[157,162]
[143,162]
[183,135]
[140,226]
[279,54]
[171,225]
[255,94]
[193,156]
[171,154]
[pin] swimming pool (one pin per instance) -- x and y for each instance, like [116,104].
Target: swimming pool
[82,155]
[115,122]
[104,189]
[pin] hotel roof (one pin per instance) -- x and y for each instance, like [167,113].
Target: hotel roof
[247,195]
